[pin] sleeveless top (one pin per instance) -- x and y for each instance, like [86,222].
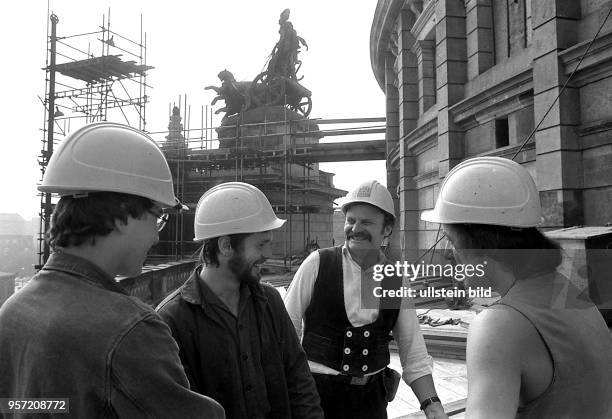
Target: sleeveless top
[579,343]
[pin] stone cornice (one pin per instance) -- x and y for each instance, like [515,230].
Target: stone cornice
[424,46]
[393,156]
[503,98]
[424,21]
[597,64]
[385,16]
[418,140]
[509,151]
[423,137]
[431,175]
[595,127]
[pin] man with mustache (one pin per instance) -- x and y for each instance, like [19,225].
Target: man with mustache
[347,346]
[236,341]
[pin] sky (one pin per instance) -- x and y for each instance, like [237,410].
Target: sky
[188,43]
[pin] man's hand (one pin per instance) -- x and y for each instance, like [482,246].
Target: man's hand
[435,411]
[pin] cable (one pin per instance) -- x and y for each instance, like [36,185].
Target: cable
[433,247]
[563,87]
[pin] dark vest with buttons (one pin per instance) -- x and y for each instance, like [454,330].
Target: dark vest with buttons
[329,337]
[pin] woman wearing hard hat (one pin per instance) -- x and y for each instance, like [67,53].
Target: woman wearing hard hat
[543,350]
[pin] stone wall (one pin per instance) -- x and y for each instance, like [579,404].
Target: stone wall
[157,281]
[500,68]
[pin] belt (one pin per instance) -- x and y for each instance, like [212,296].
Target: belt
[348,379]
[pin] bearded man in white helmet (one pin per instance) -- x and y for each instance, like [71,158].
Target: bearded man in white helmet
[73,332]
[236,340]
[347,345]
[543,350]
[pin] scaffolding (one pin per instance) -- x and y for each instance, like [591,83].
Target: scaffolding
[87,88]
[279,154]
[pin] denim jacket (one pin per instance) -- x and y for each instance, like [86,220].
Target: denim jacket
[73,332]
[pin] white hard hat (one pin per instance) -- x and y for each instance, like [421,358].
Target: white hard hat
[373,193]
[487,190]
[110,157]
[233,208]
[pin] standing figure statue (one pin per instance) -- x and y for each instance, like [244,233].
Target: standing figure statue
[284,55]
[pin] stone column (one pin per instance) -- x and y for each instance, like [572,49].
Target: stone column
[392,116]
[479,29]
[425,53]
[406,65]
[558,155]
[451,59]
[392,140]
[451,70]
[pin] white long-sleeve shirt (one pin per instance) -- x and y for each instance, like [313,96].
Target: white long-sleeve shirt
[414,358]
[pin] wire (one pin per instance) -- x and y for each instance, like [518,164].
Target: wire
[563,88]
[433,247]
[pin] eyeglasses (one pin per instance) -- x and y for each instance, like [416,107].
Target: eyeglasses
[162,218]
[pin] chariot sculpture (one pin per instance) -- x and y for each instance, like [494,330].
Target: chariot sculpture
[277,85]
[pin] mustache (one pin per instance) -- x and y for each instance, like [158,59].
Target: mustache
[361,235]
[259,261]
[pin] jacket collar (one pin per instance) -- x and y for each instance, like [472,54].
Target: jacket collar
[83,268]
[191,292]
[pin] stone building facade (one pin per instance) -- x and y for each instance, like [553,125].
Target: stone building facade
[466,78]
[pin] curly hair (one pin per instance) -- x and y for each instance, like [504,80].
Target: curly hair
[210,248]
[77,220]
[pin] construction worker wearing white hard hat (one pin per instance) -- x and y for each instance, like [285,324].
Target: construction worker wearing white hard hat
[238,344]
[74,331]
[96,169]
[347,346]
[543,350]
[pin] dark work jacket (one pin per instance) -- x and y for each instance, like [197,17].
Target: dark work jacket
[330,338]
[73,332]
[212,359]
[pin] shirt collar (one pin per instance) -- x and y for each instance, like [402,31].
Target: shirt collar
[346,253]
[76,265]
[194,292]
[190,291]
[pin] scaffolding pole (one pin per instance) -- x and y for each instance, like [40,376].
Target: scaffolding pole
[246,152]
[89,102]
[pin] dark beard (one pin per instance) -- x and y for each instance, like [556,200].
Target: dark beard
[242,270]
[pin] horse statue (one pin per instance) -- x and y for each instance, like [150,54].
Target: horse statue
[234,93]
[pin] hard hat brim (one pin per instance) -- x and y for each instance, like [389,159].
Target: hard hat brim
[63,191]
[176,206]
[433,216]
[363,201]
[274,225]
[180,206]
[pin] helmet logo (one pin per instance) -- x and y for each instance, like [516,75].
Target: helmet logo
[365,191]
